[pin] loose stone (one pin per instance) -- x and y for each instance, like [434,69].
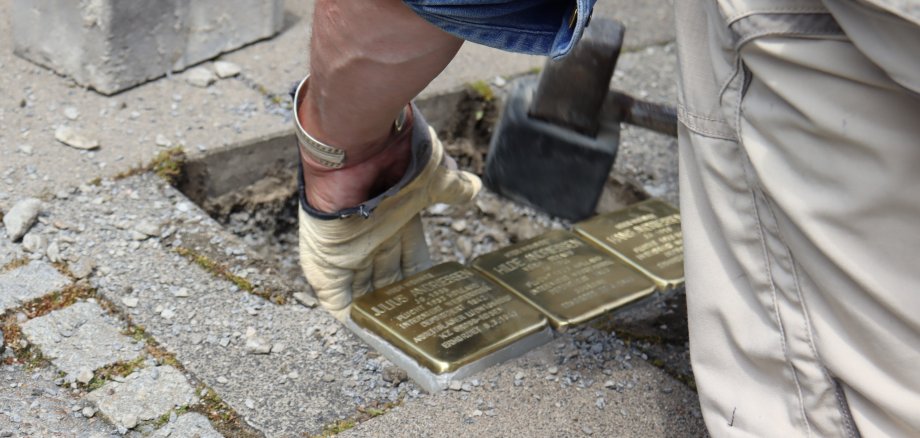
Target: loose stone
[71,137]
[82,268]
[88,412]
[305,299]
[35,243]
[71,113]
[21,217]
[162,141]
[455,385]
[200,77]
[129,301]
[226,69]
[85,376]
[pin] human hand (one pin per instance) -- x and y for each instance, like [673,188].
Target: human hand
[346,258]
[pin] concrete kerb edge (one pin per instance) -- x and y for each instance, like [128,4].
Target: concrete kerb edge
[434,383]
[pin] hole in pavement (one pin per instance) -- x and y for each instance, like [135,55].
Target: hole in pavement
[250,188]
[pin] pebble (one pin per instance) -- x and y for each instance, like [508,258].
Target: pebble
[71,113]
[88,412]
[249,403]
[73,138]
[553,370]
[53,252]
[85,376]
[477,413]
[162,141]
[149,228]
[226,69]
[82,268]
[35,243]
[587,430]
[25,149]
[305,299]
[328,378]
[277,347]
[455,385]
[129,301]
[255,344]
[19,219]
[200,77]
[394,375]
[181,292]
[222,380]
[168,313]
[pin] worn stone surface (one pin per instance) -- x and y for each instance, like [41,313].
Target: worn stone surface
[21,217]
[29,282]
[190,425]
[111,45]
[144,395]
[535,397]
[31,405]
[79,338]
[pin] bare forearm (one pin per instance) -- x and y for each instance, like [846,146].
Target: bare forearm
[368,59]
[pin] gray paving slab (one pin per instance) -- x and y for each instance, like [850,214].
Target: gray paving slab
[144,395]
[316,371]
[31,405]
[126,125]
[551,393]
[29,282]
[190,425]
[81,337]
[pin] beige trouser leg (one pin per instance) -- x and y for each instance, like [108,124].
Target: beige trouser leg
[800,202]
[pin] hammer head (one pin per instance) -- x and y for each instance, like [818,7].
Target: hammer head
[550,149]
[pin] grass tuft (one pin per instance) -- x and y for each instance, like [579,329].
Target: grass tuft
[483,90]
[168,164]
[222,271]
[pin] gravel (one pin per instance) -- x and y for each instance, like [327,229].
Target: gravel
[21,217]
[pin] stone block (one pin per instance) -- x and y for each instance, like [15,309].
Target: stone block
[29,282]
[81,338]
[191,425]
[111,45]
[144,395]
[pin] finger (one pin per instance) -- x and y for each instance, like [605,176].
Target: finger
[387,269]
[362,280]
[332,286]
[454,186]
[415,256]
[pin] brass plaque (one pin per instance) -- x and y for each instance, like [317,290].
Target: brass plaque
[647,235]
[567,279]
[447,316]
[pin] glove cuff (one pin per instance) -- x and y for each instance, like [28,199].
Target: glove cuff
[421,153]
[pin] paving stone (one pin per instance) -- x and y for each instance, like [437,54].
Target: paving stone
[21,217]
[29,282]
[111,45]
[80,337]
[143,396]
[191,425]
[31,405]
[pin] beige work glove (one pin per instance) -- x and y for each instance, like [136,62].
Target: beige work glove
[345,258]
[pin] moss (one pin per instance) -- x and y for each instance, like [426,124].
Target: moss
[338,427]
[224,419]
[483,90]
[17,263]
[168,164]
[535,70]
[222,271]
[118,369]
[163,419]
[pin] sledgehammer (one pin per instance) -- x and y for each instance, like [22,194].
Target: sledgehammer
[557,138]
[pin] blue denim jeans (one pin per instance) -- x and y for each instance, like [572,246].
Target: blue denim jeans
[538,27]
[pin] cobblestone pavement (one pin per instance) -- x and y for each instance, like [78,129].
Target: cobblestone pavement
[127,311]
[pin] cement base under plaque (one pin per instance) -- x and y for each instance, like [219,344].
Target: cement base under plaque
[431,382]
